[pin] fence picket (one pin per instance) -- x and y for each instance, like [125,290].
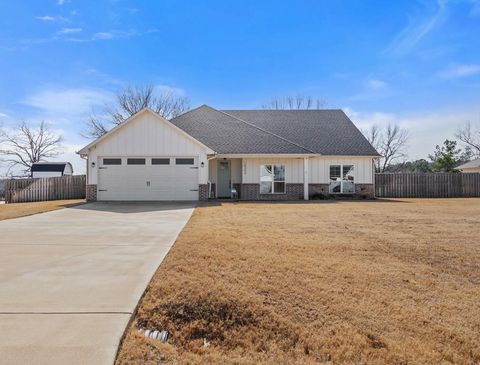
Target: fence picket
[430,185]
[52,188]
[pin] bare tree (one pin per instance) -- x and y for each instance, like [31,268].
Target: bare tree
[470,137]
[130,101]
[373,135]
[24,145]
[295,102]
[390,143]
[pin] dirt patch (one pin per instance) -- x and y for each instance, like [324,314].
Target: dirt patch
[379,282]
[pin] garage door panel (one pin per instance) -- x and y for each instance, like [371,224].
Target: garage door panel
[148,182]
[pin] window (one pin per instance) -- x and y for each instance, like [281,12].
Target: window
[184,161]
[135,161]
[272,179]
[112,161]
[342,179]
[160,161]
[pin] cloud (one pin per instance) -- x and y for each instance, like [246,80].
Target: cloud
[68,35]
[69,30]
[455,72]
[3,115]
[103,35]
[417,30]
[427,129]
[64,102]
[46,18]
[373,89]
[61,2]
[375,84]
[169,90]
[116,34]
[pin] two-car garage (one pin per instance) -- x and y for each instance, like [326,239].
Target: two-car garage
[147,178]
[146,158]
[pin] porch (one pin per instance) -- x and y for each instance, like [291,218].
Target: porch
[296,177]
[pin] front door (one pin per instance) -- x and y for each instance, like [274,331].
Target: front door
[223,179]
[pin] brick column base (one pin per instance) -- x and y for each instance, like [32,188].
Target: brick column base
[203,192]
[91,193]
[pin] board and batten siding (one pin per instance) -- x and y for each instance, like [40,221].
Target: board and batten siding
[293,169]
[147,136]
[235,166]
[319,169]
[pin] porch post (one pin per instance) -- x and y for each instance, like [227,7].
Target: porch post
[305,178]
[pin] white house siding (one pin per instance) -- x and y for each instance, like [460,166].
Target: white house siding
[471,170]
[293,169]
[319,168]
[147,136]
[235,166]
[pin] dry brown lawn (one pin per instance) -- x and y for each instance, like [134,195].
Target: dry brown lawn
[352,282]
[17,210]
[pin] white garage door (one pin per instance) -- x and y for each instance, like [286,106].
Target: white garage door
[147,178]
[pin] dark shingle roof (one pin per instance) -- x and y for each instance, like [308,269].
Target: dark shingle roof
[326,132]
[226,134]
[48,166]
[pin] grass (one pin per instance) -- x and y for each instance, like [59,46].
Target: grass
[350,282]
[16,210]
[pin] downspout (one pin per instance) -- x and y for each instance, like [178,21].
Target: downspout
[84,157]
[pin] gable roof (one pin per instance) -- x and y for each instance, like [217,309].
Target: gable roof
[49,166]
[326,132]
[225,134]
[470,164]
[85,149]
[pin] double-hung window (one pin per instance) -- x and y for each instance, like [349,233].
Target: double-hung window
[272,179]
[342,180]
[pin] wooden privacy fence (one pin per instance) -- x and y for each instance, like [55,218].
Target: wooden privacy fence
[431,185]
[50,188]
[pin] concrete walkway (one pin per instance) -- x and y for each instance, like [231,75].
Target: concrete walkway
[70,279]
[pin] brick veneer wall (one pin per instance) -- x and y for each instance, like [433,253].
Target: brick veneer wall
[317,189]
[365,190]
[91,193]
[203,192]
[252,192]
[361,190]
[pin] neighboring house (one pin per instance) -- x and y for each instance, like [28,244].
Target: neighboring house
[207,153]
[51,169]
[471,166]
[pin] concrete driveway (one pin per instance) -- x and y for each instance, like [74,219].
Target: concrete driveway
[70,279]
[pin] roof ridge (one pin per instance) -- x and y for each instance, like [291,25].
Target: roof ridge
[282,110]
[264,130]
[191,110]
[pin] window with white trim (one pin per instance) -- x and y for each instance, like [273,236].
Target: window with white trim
[272,179]
[342,179]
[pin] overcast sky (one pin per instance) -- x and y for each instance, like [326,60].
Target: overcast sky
[412,63]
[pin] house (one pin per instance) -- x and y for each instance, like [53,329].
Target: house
[471,166]
[51,169]
[208,153]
